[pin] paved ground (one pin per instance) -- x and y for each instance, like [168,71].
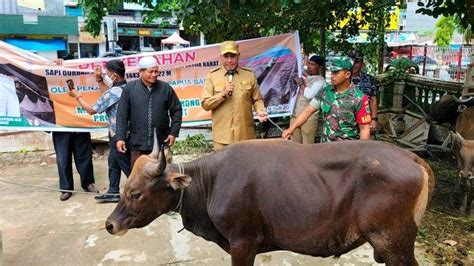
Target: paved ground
[38,229]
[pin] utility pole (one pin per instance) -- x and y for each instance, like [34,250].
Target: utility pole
[112,33]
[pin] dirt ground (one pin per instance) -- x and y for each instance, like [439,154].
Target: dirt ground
[444,238]
[447,235]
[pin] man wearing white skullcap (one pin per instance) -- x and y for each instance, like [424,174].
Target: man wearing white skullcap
[147,104]
[146,62]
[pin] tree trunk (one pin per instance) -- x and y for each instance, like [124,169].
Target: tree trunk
[322,46]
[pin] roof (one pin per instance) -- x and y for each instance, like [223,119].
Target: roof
[175,39]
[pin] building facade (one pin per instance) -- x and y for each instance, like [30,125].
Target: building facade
[55,29]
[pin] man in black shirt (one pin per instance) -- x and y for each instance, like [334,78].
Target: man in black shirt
[146,104]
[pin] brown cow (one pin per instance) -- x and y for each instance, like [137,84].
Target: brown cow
[463,147]
[465,123]
[259,196]
[464,150]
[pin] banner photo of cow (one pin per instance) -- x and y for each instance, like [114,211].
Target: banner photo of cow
[34,95]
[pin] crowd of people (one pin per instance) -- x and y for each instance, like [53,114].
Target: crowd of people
[138,109]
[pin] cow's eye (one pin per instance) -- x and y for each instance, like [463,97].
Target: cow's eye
[135,195]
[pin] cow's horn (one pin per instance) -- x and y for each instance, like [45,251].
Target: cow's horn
[156,148]
[162,161]
[465,99]
[461,139]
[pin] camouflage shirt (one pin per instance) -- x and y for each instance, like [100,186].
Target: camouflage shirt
[365,83]
[342,112]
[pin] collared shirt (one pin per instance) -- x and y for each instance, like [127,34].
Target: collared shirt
[142,109]
[313,84]
[232,116]
[365,83]
[108,103]
[342,112]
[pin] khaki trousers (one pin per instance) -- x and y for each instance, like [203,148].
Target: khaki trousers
[307,133]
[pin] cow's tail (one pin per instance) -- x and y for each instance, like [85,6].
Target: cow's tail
[426,192]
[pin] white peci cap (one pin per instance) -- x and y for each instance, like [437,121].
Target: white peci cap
[146,62]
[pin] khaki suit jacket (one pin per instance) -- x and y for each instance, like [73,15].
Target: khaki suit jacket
[232,116]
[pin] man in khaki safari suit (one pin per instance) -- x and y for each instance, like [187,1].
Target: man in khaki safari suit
[229,93]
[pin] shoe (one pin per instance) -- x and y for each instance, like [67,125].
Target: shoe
[108,198]
[91,188]
[65,196]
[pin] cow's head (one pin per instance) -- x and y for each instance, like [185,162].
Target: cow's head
[445,110]
[464,150]
[149,192]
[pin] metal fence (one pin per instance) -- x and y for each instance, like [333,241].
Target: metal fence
[441,62]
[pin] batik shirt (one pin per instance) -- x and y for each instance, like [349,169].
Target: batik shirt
[365,83]
[108,103]
[342,112]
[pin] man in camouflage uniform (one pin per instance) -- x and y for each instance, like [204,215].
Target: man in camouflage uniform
[345,109]
[230,98]
[365,83]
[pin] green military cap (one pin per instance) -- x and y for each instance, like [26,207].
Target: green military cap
[340,64]
[229,47]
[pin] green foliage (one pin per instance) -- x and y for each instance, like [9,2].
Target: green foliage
[221,20]
[378,20]
[191,145]
[96,10]
[23,151]
[399,69]
[444,31]
[468,35]
[422,233]
[459,8]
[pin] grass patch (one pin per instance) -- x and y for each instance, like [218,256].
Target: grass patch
[191,145]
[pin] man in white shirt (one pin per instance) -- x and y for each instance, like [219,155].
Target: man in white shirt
[309,86]
[9,103]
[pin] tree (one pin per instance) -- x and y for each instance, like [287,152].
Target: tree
[445,28]
[241,19]
[461,8]
[238,19]
[444,31]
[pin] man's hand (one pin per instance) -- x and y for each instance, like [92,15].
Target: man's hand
[170,139]
[73,93]
[299,81]
[373,126]
[98,72]
[262,116]
[364,131]
[287,133]
[59,61]
[121,147]
[229,86]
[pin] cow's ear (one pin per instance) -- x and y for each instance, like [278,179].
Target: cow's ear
[178,181]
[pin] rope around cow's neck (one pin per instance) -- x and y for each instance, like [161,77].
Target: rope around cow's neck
[180,202]
[53,189]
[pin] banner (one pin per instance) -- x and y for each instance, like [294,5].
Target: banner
[34,95]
